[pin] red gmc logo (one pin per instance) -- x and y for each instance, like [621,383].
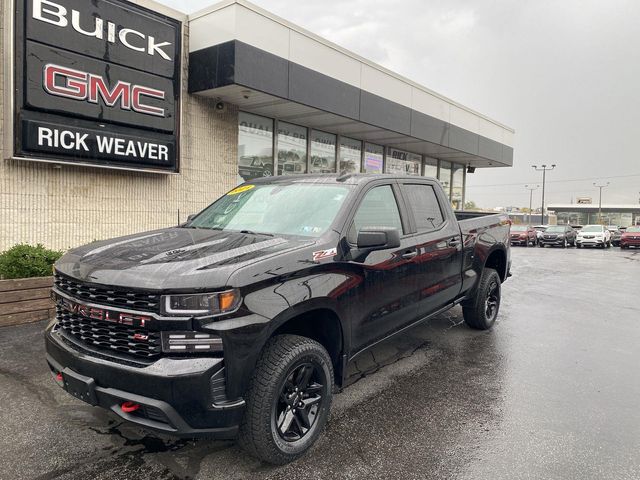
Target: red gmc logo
[77,85]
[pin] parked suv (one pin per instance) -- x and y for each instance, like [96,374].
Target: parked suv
[558,236]
[630,238]
[593,236]
[240,323]
[523,235]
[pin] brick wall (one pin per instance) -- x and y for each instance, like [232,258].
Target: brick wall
[67,206]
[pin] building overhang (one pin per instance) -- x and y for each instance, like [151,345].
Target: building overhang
[248,57]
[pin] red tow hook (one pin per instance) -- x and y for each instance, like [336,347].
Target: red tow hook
[129,407]
[59,377]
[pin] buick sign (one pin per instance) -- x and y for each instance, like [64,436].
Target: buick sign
[97,83]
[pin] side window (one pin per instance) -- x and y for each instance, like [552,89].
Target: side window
[422,201]
[377,209]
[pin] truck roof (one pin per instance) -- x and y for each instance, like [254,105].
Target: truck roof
[348,178]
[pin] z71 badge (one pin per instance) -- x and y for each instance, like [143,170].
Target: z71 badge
[321,254]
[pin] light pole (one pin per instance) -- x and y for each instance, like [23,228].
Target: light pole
[531,188]
[543,168]
[600,201]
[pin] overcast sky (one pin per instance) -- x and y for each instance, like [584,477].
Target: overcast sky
[564,74]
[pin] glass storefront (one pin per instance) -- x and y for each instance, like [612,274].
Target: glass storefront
[620,219]
[301,150]
[255,146]
[430,167]
[457,185]
[445,176]
[292,149]
[373,158]
[323,152]
[400,162]
[350,155]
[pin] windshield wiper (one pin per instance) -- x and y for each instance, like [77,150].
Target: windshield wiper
[250,232]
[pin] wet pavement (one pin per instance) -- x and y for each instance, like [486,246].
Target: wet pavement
[551,392]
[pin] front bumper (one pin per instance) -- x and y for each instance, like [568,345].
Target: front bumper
[590,242]
[178,396]
[556,242]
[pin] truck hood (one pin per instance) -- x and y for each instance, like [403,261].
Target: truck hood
[172,258]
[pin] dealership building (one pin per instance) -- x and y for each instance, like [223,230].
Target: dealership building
[119,117]
[590,214]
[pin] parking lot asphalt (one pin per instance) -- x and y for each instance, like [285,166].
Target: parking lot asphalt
[553,391]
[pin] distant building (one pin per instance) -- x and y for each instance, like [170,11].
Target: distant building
[585,214]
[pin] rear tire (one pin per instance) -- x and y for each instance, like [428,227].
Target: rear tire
[481,312]
[287,362]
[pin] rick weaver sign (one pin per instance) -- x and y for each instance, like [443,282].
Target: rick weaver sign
[97,83]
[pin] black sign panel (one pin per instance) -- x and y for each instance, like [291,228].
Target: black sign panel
[88,143]
[97,82]
[113,31]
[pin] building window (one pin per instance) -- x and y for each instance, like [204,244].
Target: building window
[350,155]
[400,162]
[457,185]
[292,149]
[255,146]
[430,167]
[445,177]
[373,158]
[323,152]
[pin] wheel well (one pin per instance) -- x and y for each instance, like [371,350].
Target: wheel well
[324,327]
[498,261]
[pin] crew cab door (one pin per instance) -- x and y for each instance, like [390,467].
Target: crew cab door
[381,302]
[435,235]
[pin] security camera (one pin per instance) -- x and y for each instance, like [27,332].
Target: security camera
[220,107]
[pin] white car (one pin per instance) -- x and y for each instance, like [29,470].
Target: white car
[593,236]
[540,230]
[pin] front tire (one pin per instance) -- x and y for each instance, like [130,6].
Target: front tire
[482,311]
[288,400]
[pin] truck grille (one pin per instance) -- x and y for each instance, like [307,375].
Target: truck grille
[108,295]
[138,342]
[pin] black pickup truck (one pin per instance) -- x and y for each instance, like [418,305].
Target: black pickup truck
[241,322]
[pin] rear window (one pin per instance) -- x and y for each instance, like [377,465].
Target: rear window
[425,207]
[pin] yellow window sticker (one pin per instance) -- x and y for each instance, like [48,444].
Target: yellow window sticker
[241,189]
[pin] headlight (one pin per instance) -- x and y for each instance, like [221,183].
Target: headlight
[201,303]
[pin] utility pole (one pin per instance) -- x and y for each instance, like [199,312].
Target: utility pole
[531,189]
[600,201]
[543,168]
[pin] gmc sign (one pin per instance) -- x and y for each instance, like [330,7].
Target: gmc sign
[97,82]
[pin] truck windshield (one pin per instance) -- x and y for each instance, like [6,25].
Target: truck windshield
[276,209]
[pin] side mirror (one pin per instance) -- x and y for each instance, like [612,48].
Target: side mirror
[378,238]
[191,217]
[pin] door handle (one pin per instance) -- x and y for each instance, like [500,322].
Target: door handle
[409,254]
[454,242]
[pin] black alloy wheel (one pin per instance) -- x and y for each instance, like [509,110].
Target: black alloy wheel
[288,400]
[296,409]
[481,311]
[492,301]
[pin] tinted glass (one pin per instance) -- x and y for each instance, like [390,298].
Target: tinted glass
[377,209]
[424,205]
[430,166]
[373,158]
[592,228]
[255,146]
[323,152]
[633,230]
[292,149]
[556,229]
[350,155]
[518,228]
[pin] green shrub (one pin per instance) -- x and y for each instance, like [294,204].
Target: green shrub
[23,261]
